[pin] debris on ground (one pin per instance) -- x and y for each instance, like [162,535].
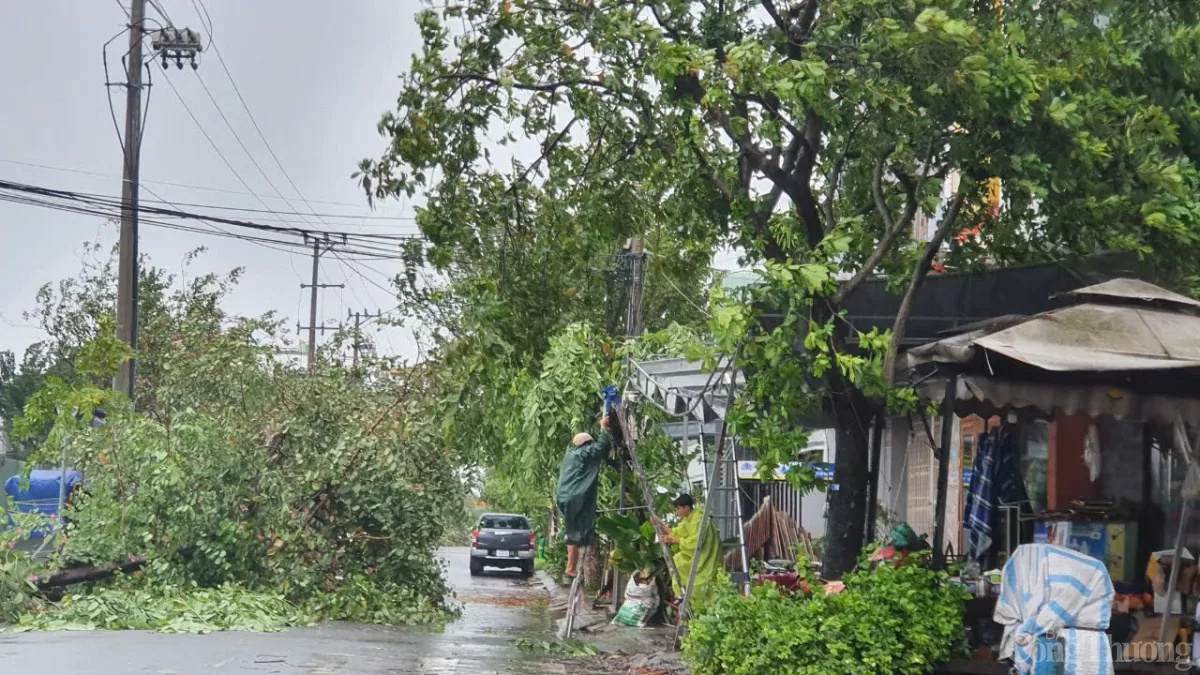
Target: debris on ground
[505,600]
[585,622]
[656,663]
[574,648]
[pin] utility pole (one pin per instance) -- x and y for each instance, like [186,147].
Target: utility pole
[169,43]
[359,319]
[633,328]
[127,270]
[637,286]
[319,246]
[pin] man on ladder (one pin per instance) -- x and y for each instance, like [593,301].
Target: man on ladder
[577,487]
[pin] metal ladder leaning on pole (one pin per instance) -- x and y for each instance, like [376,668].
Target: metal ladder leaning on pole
[724,463]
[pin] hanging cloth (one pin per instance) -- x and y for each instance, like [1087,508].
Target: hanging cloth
[981,500]
[1009,487]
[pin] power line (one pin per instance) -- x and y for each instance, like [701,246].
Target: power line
[205,20]
[237,90]
[215,227]
[187,186]
[278,216]
[242,144]
[344,216]
[202,13]
[389,291]
[353,266]
[275,244]
[213,143]
[107,201]
[379,246]
[33,201]
[141,135]
[162,12]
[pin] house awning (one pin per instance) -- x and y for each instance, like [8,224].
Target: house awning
[988,396]
[1128,349]
[1095,336]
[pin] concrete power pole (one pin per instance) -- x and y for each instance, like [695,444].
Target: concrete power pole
[359,319]
[635,286]
[127,270]
[169,43]
[319,247]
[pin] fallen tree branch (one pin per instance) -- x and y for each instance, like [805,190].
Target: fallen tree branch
[83,574]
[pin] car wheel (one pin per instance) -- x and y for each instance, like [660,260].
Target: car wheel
[476,568]
[527,569]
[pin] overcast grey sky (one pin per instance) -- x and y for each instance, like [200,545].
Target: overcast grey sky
[316,74]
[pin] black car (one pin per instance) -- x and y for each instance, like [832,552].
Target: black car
[503,540]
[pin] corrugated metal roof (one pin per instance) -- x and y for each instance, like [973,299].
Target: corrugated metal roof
[681,387]
[1093,337]
[1089,337]
[740,279]
[1133,290]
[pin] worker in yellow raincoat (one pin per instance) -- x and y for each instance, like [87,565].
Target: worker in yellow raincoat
[684,537]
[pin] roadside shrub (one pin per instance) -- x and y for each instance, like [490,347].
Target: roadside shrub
[893,620]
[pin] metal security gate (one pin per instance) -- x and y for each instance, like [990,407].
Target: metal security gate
[922,479]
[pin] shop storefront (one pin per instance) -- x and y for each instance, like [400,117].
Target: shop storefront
[1093,403]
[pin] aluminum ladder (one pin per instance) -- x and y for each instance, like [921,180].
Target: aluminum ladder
[726,490]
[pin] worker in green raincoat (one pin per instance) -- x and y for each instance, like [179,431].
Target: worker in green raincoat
[577,486]
[684,537]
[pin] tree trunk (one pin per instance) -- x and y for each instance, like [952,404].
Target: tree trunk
[589,565]
[851,475]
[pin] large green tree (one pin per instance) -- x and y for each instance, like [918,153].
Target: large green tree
[813,134]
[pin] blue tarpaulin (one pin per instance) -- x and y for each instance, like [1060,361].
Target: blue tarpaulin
[42,494]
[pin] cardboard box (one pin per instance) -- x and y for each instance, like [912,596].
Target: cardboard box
[1114,544]
[1160,603]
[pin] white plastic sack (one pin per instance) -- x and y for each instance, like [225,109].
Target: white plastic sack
[1051,591]
[641,600]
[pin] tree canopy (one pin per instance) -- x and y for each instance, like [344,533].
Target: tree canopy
[821,137]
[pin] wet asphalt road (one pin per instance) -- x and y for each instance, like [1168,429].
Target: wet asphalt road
[498,608]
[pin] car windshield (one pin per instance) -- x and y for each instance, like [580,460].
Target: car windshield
[503,523]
